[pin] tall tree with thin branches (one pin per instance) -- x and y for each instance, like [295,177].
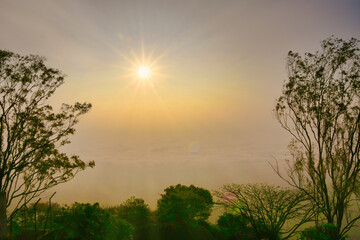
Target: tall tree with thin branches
[320,108]
[31,133]
[273,212]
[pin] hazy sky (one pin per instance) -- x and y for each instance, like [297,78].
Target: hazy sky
[206,116]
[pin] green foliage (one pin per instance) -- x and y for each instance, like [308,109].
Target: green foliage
[119,229]
[235,226]
[182,203]
[82,221]
[78,221]
[137,213]
[23,221]
[185,230]
[182,212]
[323,232]
[134,210]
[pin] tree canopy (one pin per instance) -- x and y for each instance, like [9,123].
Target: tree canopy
[136,212]
[31,133]
[189,204]
[235,226]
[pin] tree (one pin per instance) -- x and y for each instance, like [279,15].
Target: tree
[137,213]
[267,208]
[320,108]
[82,221]
[182,211]
[119,229]
[187,204]
[31,133]
[134,210]
[235,226]
[325,231]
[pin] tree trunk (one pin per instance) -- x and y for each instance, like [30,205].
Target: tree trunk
[3,219]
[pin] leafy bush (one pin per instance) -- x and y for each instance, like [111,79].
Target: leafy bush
[323,232]
[233,226]
[82,221]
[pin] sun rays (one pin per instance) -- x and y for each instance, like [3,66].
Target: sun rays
[143,73]
[144,68]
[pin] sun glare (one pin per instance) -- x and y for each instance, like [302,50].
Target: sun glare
[143,72]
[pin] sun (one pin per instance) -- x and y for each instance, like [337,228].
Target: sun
[143,72]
